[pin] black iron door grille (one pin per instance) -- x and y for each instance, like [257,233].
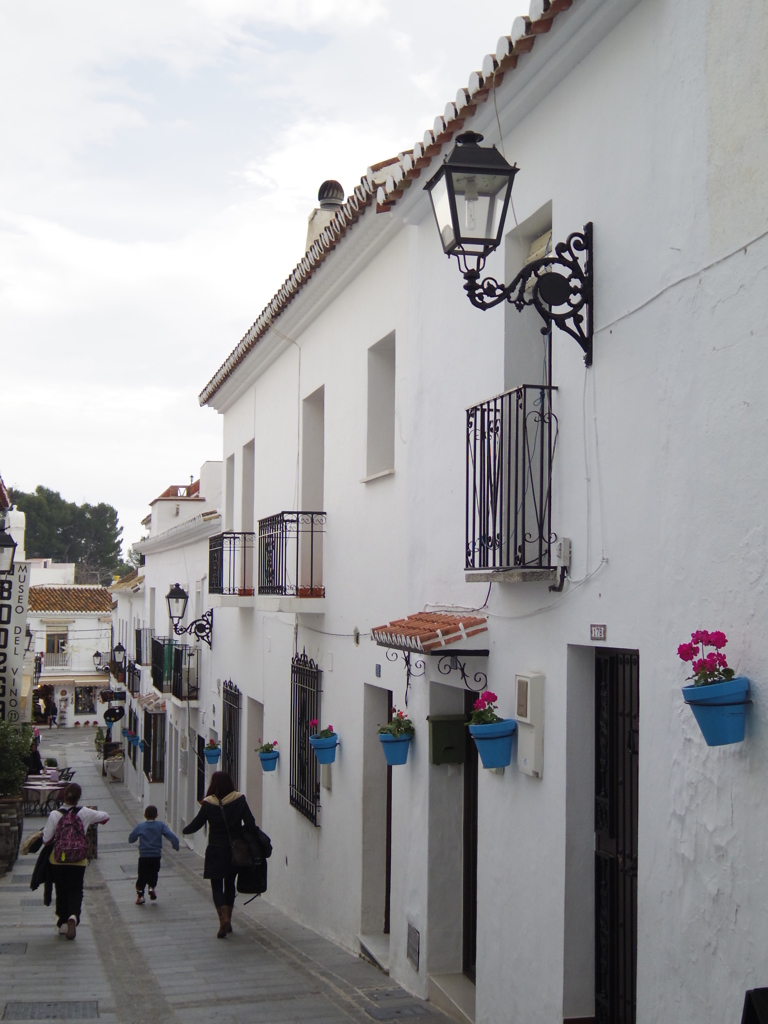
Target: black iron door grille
[305,705]
[617,718]
[231,722]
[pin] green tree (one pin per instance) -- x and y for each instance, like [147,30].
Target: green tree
[88,535]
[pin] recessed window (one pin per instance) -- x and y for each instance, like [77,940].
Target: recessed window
[381,408]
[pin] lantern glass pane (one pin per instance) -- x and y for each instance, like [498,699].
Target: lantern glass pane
[479,206]
[442,209]
[176,607]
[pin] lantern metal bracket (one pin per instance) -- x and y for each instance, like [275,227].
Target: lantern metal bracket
[558,286]
[201,628]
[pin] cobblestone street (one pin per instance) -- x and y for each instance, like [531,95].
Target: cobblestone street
[161,961]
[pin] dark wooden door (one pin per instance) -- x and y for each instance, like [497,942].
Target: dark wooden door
[469,943]
[617,719]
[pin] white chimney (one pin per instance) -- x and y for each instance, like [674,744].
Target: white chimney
[331,197]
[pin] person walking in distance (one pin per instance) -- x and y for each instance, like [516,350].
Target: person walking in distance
[64,832]
[150,836]
[225,812]
[53,715]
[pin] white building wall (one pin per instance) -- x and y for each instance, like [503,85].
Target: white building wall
[655,483]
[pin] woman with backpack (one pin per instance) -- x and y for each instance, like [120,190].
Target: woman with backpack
[65,835]
[227,814]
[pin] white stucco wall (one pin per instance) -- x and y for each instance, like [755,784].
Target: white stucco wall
[657,483]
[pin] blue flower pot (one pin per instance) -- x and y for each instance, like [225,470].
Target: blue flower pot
[720,710]
[212,756]
[324,748]
[395,747]
[133,740]
[142,745]
[269,760]
[124,732]
[494,742]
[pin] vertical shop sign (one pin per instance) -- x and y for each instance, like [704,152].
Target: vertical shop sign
[14,604]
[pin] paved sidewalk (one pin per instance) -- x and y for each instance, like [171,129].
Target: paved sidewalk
[162,962]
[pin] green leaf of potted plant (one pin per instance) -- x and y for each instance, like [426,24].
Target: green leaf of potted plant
[323,743]
[491,733]
[717,697]
[268,755]
[396,737]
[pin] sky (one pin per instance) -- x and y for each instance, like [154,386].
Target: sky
[159,163]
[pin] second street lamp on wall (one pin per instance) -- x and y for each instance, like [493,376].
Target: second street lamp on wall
[470,196]
[7,552]
[202,628]
[118,655]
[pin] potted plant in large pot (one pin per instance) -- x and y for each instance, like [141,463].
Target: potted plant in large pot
[14,750]
[212,752]
[396,737]
[717,697]
[323,743]
[268,756]
[491,733]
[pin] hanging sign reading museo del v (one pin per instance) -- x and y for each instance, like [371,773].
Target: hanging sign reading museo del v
[14,604]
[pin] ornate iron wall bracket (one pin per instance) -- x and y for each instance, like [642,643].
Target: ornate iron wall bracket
[560,288]
[448,663]
[201,629]
[411,670]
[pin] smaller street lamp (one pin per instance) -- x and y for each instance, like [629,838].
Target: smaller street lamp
[98,660]
[118,655]
[470,196]
[202,628]
[7,552]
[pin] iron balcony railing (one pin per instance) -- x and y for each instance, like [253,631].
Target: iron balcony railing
[133,679]
[230,564]
[291,554]
[511,441]
[175,668]
[144,646]
[56,660]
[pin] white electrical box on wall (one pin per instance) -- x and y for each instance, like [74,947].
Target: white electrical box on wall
[529,713]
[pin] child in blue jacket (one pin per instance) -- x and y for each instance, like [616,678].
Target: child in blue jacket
[150,836]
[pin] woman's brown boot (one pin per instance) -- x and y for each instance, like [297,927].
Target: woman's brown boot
[227,919]
[222,932]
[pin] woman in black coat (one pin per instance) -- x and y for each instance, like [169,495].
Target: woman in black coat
[225,812]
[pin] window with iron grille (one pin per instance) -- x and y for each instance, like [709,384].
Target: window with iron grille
[231,728]
[200,793]
[133,725]
[305,705]
[154,747]
[144,646]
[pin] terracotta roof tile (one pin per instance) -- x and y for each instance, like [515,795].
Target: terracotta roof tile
[427,631]
[154,703]
[70,598]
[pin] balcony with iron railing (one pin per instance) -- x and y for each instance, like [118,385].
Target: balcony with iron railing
[511,442]
[175,668]
[133,678]
[56,661]
[231,568]
[291,562]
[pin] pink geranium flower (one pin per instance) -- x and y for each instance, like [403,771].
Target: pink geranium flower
[708,666]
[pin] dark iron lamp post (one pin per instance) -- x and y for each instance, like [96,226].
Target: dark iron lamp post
[98,660]
[7,552]
[202,628]
[470,196]
[118,655]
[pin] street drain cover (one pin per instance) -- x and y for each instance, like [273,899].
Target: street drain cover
[15,948]
[52,1011]
[396,1012]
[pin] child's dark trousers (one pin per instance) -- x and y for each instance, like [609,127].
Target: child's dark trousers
[148,871]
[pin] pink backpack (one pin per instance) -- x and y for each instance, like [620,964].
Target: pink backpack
[69,842]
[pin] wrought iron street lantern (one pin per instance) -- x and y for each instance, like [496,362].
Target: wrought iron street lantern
[7,552]
[202,628]
[470,196]
[98,660]
[118,655]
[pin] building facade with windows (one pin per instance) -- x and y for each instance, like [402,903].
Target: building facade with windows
[69,623]
[172,703]
[458,500]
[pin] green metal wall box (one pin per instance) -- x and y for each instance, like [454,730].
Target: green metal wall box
[447,737]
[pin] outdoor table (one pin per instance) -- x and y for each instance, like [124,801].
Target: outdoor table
[45,793]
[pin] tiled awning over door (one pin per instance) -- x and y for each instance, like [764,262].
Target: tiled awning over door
[428,631]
